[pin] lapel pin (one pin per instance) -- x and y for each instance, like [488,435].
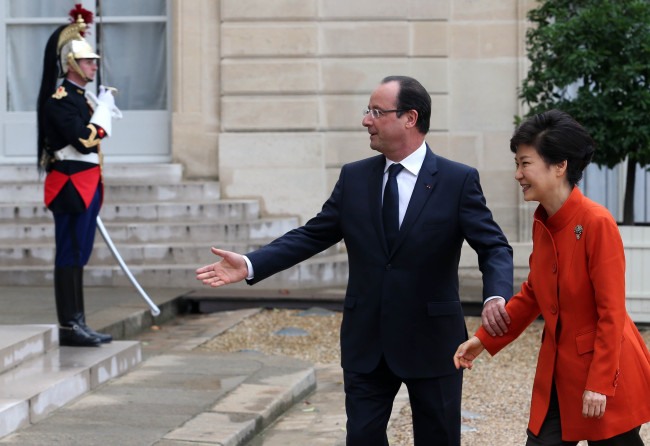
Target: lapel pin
[428,187]
[578,231]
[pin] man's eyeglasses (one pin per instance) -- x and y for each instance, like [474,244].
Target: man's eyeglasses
[375,113]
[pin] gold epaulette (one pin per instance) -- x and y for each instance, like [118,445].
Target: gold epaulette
[60,93]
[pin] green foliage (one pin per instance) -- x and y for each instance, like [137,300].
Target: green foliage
[591,58]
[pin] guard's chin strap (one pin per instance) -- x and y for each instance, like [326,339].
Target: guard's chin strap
[72,64]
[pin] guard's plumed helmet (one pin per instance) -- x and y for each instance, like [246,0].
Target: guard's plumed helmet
[64,47]
[71,45]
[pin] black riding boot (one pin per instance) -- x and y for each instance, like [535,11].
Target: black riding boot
[78,274]
[71,331]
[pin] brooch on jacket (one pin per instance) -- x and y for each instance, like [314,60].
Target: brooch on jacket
[578,231]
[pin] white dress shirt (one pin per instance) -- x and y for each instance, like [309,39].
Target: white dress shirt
[406,178]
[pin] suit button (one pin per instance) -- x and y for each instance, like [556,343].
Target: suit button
[553,309]
[554,268]
[389,267]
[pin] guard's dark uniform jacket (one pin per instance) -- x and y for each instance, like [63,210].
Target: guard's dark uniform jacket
[73,144]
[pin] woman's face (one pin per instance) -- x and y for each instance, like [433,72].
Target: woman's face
[538,180]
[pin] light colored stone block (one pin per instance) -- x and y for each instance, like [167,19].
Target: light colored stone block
[195,89]
[58,393]
[500,40]
[270,113]
[464,41]
[363,75]
[485,95]
[270,150]
[506,217]
[264,76]
[197,151]
[14,414]
[430,39]
[214,428]
[498,189]
[429,9]
[364,39]
[497,154]
[464,148]
[264,9]
[286,191]
[439,143]
[268,39]
[363,9]
[343,112]
[485,10]
[433,74]
[286,169]
[439,112]
[345,147]
[386,9]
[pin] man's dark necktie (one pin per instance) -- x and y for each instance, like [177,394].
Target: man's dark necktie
[390,208]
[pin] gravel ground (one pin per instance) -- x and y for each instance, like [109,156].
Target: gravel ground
[497,389]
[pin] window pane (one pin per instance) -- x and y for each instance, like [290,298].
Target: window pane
[49,8]
[25,48]
[134,61]
[130,7]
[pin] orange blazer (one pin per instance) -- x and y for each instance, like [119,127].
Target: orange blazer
[589,342]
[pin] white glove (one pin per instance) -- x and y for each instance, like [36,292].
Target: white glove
[106,97]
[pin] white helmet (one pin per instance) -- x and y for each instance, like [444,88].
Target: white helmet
[72,46]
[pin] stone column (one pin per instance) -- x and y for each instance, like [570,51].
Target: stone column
[195,122]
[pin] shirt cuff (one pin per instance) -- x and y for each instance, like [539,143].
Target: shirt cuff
[250,268]
[486,300]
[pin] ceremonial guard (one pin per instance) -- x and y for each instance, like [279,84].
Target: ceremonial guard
[71,125]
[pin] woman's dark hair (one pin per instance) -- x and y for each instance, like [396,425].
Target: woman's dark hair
[557,137]
[413,96]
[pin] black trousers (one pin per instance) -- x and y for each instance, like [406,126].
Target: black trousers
[435,404]
[551,432]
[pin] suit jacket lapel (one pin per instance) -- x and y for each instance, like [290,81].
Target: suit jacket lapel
[424,185]
[375,181]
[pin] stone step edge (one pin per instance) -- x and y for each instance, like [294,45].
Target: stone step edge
[236,427]
[173,222]
[90,367]
[316,260]
[21,343]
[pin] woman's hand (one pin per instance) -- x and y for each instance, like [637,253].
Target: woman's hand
[467,353]
[593,404]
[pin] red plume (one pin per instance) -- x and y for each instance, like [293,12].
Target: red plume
[77,11]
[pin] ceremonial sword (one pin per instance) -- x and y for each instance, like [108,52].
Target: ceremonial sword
[155,311]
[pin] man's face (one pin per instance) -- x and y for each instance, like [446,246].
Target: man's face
[88,67]
[388,131]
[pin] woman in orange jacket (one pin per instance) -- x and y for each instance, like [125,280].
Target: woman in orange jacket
[593,371]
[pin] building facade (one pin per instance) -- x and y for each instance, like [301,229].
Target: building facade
[266,95]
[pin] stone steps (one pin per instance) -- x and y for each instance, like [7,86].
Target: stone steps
[163,227]
[221,210]
[147,173]
[37,376]
[195,253]
[152,232]
[130,192]
[317,272]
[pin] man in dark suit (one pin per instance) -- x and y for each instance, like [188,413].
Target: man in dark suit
[403,228]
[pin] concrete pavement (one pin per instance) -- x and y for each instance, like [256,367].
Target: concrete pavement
[177,395]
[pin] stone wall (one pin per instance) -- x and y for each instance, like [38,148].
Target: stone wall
[270,92]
